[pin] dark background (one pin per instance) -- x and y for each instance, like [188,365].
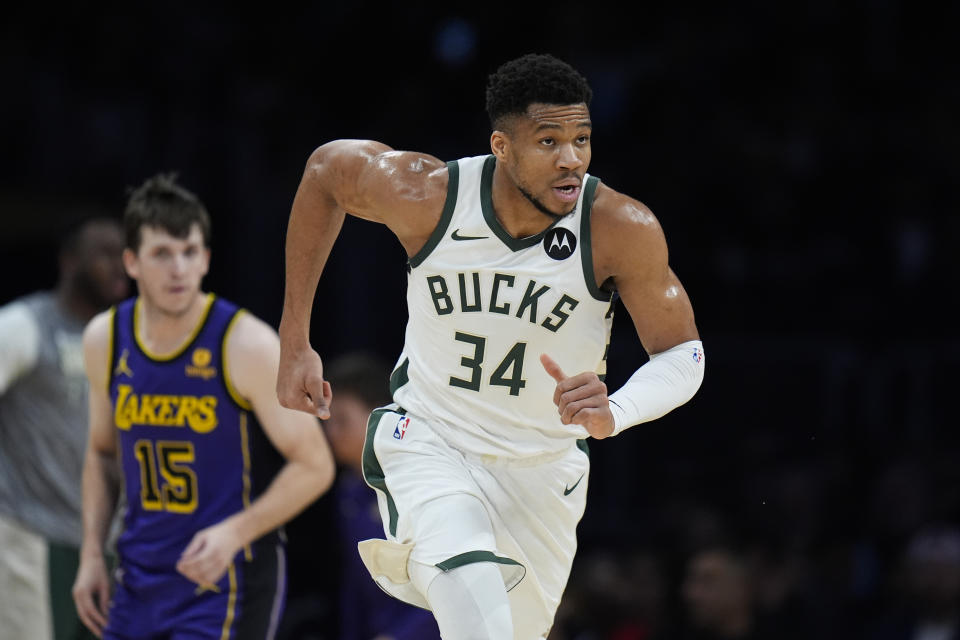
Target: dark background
[801,157]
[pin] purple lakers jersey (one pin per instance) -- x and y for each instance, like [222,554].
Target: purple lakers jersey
[192,451]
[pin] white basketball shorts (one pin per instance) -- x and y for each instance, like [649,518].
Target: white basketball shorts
[533,507]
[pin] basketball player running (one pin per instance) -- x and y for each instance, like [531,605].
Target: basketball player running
[514,258]
[182,396]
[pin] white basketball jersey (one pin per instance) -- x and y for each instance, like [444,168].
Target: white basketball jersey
[482,308]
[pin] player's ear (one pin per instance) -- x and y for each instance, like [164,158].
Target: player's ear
[499,144]
[130,263]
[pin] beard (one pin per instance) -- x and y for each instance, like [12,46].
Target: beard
[87,287]
[542,208]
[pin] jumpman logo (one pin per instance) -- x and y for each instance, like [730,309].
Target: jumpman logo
[122,365]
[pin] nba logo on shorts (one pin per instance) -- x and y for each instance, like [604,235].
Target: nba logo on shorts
[697,355]
[401,429]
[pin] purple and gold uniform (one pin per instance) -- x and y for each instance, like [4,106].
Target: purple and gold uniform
[192,454]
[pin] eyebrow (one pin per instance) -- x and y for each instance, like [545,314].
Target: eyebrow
[549,125]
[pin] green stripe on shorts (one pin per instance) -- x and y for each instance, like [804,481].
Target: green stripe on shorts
[373,472]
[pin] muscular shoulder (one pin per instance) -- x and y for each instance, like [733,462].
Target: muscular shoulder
[370,178]
[627,236]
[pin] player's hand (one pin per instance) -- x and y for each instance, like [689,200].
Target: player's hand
[581,399]
[91,593]
[209,553]
[300,383]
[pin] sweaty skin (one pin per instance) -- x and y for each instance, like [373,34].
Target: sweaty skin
[542,157]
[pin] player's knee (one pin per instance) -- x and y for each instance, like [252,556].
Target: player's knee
[470,603]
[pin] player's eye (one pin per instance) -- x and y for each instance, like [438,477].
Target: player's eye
[583,139]
[549,142]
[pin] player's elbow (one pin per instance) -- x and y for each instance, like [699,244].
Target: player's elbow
[323,471]
[326,476]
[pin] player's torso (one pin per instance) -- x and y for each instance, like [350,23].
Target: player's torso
[43,427]
[484,306]
[186,437]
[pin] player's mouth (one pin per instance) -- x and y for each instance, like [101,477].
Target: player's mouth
[567,191]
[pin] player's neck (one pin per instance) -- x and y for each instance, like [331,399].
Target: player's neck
[75,304]
[164,332]
[517,215]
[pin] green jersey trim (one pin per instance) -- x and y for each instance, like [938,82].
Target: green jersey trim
[583,446]
[373,472]
[399,377]
[453,185]
[586,242]
[486,204]
[511,580]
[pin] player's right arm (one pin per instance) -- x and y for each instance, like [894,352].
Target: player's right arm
[100,484]
[403,190]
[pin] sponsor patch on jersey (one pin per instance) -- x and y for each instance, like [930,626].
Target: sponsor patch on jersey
[201,364]
[559,243]
[401,428]
[697,355]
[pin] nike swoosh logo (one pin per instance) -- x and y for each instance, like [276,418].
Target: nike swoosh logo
[456,236]
[568,490]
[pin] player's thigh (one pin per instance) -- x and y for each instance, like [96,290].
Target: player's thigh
[411,467]
[24,605]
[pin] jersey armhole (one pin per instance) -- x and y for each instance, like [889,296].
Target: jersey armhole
[586,242]
[453,184]
[238,399]
[111,347]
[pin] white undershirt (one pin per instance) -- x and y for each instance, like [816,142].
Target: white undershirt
[19,343]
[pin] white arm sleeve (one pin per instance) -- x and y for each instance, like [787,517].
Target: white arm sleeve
[19,343]
[664,383]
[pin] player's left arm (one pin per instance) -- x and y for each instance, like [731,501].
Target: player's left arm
[630,251]
[253,355]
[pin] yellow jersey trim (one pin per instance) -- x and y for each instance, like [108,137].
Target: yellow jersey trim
[176,353]
[231,604]
[245,448]
[239,399]
[110,347]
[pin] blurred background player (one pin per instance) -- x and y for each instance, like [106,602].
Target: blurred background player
[362,383]
[43,431]
[182,394]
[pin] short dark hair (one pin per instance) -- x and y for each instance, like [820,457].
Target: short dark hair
[362,374]
[533,78]
[71,237]
[161,202]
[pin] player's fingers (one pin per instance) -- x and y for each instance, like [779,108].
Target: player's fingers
[314,385]
[579,411]
[582,386]
[80,600]
[323,405]
[196,546]
[292,393]
[552,368]
[98,617]
[103,600]
[87,610]
[88,622]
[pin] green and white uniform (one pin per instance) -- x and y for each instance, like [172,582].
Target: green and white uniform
[474,413]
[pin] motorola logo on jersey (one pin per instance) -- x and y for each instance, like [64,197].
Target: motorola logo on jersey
[559,243]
